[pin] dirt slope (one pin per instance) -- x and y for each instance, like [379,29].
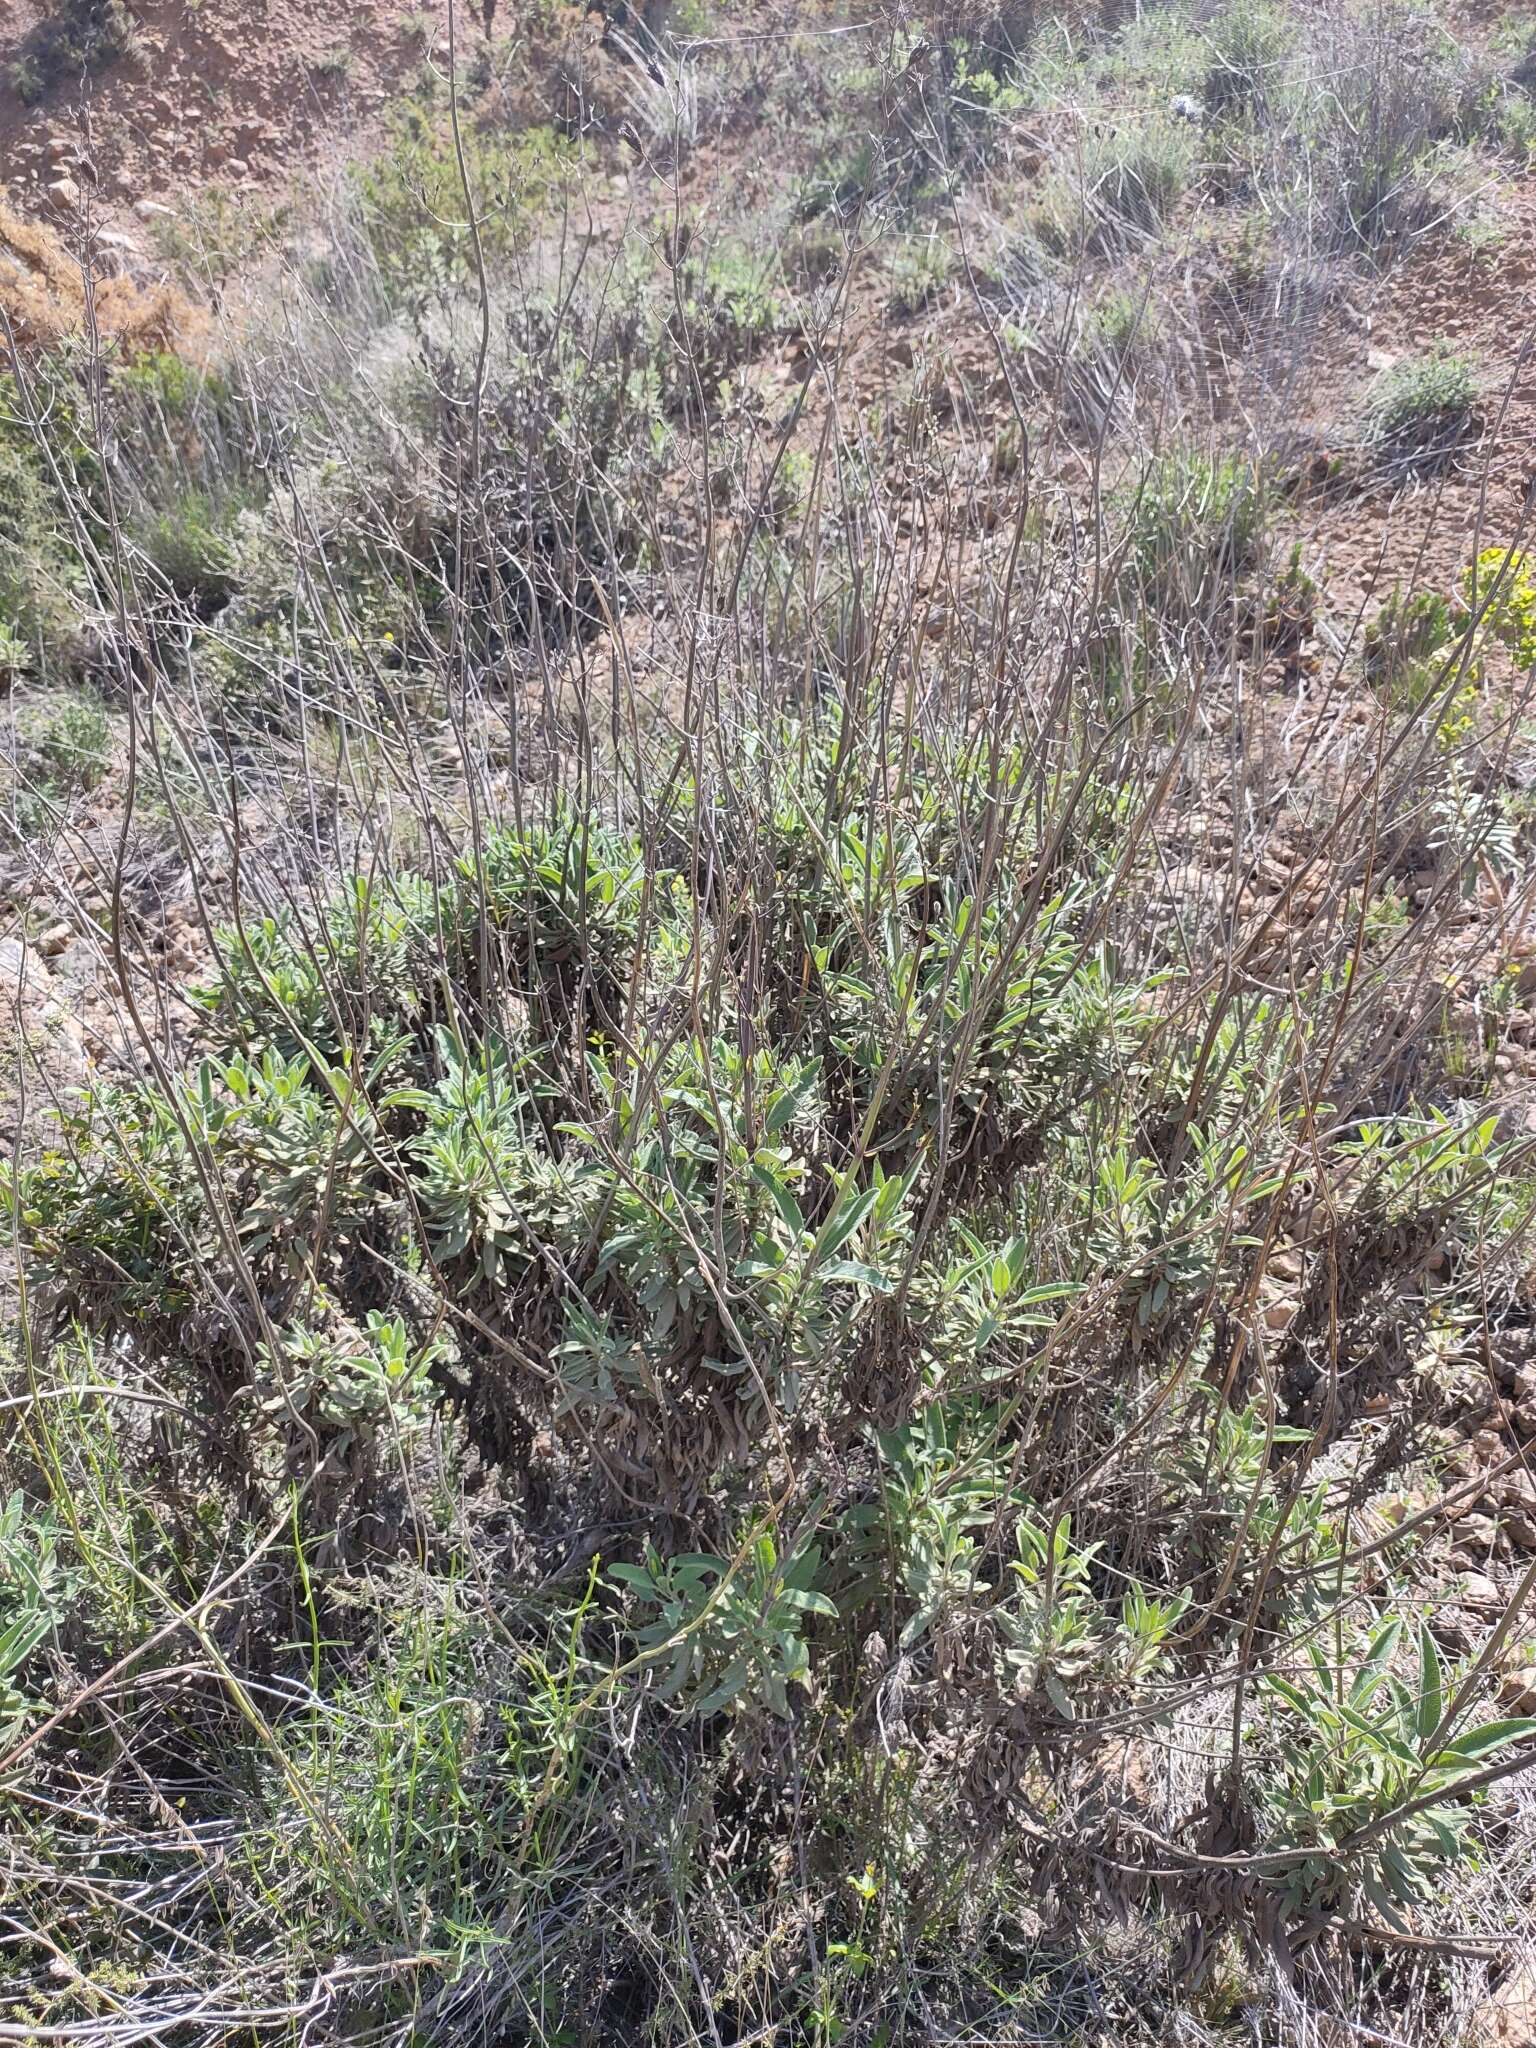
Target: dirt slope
[245,92]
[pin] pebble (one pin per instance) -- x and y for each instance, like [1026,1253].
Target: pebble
[1508,2019]
[1480,1594]
[21,971]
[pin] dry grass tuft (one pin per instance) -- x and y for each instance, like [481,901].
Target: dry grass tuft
[46,298]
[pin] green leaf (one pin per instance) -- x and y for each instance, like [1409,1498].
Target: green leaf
[806,1601]
[845,1219]
[1477,1743]
[19,1640]
[1378,1656]
[793,1100]
[859,1275]
[783,1200]
[1378,1737]
[1431,1704]
[1379,1897]
[730,1684]
[1291,1694]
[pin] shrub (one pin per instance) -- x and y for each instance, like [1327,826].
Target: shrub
[661,89]
[919,269]
[218,233]
[1364,1752]
[714,1382]
[571,439]
[187,548]
[1423,407]
[66,746]
[1516,127]
[1500,588]
[333,66]
[35,571]
[34,1593]
[839,183]
[412,203]
[1390,100]
[1194,525]
[1288,612]
[1098,375]
[61,750]
[73,37]
[726,311]
[1249,45]
[1406,631]
[1120,323]
[456,1168]
[1128,182]
[15,655]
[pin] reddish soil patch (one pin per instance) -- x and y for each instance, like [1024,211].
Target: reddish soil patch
[245,92]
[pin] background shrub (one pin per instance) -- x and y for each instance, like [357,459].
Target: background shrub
[1423,407]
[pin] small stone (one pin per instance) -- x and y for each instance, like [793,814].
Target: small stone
[21,972]
[65,1030]
[64,193]
[1480,1594]
[1188,879]
[1508,2019]
[1398,1507]
[53,940]
[237,168]
[78,961]
[151,209]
